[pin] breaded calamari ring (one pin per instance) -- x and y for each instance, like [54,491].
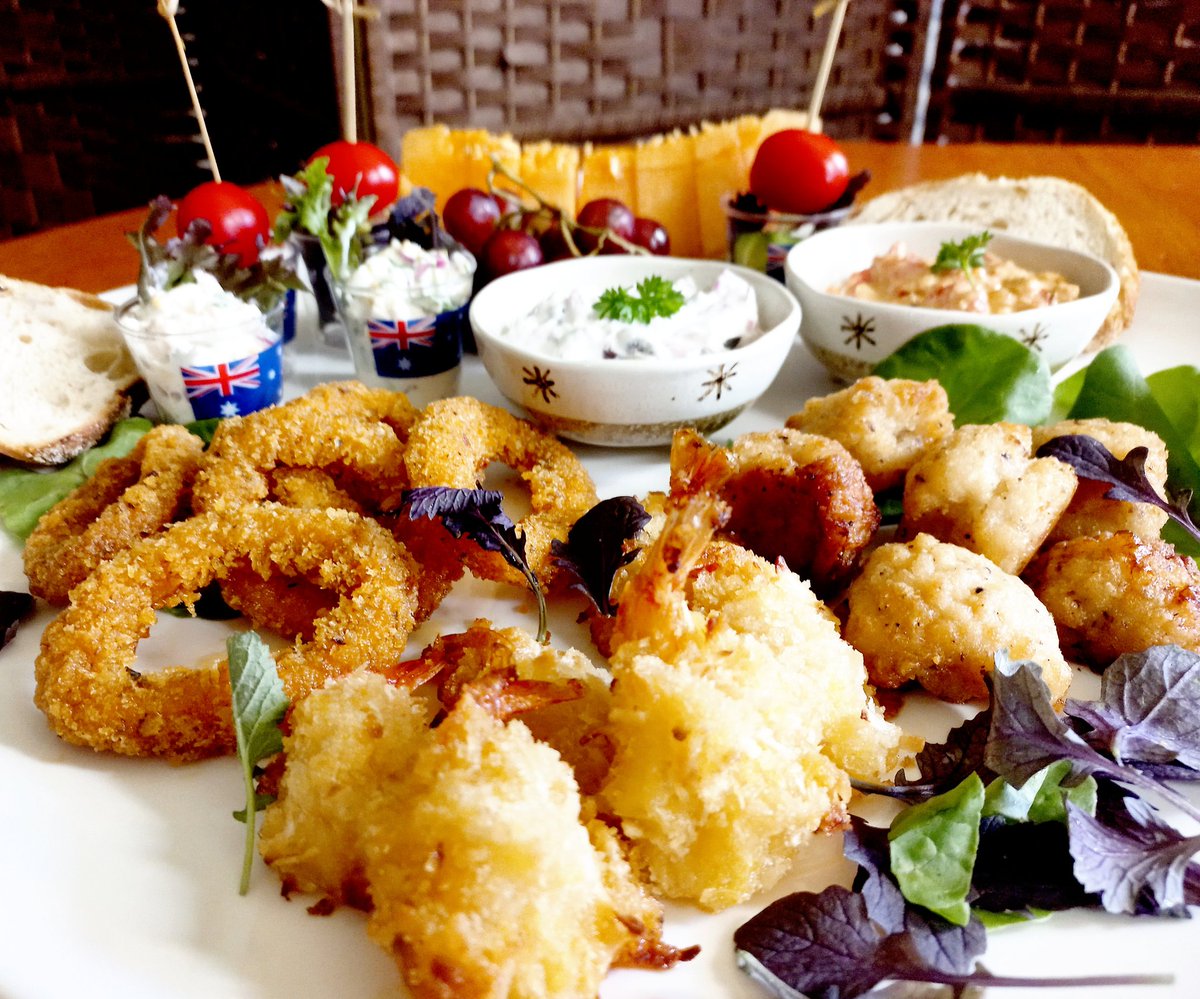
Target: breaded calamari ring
[86,681]
[340,428]
[125,500]
[454,441]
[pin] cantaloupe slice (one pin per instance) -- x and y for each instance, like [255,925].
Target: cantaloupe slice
[607,172]
[720,170]
[666,188]
[551,169]
[427,157]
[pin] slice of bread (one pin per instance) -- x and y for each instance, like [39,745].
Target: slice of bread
[66,372]
[1048,209]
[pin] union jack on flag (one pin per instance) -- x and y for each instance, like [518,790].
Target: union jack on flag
[221,378]
[401,333]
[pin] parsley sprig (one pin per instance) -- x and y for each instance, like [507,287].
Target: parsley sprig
[965,256]
[656,296]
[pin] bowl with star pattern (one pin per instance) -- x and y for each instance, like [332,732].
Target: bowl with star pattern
[843,278]
[611,375]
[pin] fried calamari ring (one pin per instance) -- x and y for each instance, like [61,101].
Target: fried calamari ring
[343,428]
[86,681]
[455,440]
[125,500]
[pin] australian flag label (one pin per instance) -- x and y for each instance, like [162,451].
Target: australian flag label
[236,387]
[414,348]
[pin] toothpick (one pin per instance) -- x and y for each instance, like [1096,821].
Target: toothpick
[823,71]
[168,8]
[349,10]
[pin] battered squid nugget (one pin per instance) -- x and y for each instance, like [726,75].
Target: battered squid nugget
[1118,593]
[343,428]
[794,496]
[467,843]
[979,488]
[571,726]
[87,683]
[885,423]
[936,614]
[1090,513]
[125,500]
[738,713]
[455,440]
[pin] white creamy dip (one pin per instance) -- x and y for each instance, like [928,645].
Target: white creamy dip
[710,320]
[192,324]
[406,281]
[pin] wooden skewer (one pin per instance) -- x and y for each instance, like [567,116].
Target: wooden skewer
[349,85]
[823,71]
[167,9]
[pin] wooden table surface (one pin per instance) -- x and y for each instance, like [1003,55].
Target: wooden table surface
[1152,190]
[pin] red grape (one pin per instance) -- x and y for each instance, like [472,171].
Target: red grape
[604,213]
[554,244]
[652,236]
[508,250]
[470,216]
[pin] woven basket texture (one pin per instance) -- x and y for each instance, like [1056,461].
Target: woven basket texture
[613,69]
[1068,70]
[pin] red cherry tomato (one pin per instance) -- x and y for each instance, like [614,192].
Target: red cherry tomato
[799,172]
[363,167]
[237,218]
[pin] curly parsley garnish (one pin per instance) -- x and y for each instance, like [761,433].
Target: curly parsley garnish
[656,296]
[965,256]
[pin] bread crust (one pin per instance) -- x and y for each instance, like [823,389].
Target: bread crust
[50,342]
[980,199]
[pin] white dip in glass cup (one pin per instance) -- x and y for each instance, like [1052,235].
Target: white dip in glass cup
[203,351]
[405,310]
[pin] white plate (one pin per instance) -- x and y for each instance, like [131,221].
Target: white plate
[119,877]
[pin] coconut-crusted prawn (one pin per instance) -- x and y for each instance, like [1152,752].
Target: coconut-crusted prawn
[484,872]
[738,713]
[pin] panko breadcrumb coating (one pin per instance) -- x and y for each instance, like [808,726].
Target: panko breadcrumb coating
[1089,513]
[791,496]
[737,711]
[885,423]
[936,614]
[1118,593]
[979,488]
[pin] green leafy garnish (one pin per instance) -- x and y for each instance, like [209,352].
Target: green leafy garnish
[26,494]
[342,231]
[656,296]
[259,704]
[965,256]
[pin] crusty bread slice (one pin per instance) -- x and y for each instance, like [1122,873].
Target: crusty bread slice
[65,373]
[1048,209]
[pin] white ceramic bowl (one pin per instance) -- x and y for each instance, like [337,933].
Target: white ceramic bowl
[629,402]
[850,336]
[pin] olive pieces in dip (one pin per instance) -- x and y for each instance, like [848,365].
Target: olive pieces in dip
[964,277]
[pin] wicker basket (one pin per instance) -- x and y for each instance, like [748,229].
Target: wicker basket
[612,69]
[1068,70]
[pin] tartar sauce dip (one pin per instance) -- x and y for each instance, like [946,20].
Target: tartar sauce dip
[177,335]
[710,320]
[406,281]
[998,286]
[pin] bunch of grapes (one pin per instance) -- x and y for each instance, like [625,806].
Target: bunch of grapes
[506,233]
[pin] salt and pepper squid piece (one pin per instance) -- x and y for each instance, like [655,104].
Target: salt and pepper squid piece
[929,612]
[886,424]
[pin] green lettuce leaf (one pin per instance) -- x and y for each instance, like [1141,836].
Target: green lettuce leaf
[988,377]
[26,494]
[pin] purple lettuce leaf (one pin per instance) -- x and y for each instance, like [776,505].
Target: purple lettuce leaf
[1021,866]
[867,846]
[14,608]
[595,548]
[1149,708]
[1127,476]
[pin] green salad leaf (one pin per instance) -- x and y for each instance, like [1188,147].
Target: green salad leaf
[989,377]
[259,704]
[341,231]
[26,494]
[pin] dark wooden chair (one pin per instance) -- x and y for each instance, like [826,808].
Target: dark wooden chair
[612,69]
[1067,71]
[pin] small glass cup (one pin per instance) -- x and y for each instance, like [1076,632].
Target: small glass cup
[199,372]
[761,240]
[412,349]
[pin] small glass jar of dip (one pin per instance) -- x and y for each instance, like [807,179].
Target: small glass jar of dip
[203,352]
[405,311]
[761,240]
